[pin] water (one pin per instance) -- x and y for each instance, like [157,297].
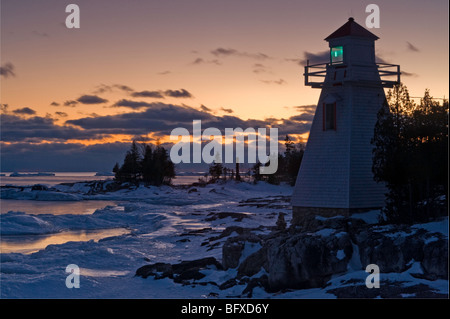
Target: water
[27,244]
[83,207]
[60,177]
[73,177]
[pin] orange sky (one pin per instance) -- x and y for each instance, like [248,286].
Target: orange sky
[237,58]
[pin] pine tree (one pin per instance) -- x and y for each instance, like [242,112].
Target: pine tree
[411,156]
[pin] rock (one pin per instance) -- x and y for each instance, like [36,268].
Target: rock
[233,247]
[388,289]
[192,190]
[306,261]
[435,260]
[159,270]
[190,274]
[262,281]
[182,272]
[229,283]
[236,216]
[197,264]
[253,263]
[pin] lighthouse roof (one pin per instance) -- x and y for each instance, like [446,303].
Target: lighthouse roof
[351,28]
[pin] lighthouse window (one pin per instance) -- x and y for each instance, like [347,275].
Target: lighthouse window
[329,122]
[337,55]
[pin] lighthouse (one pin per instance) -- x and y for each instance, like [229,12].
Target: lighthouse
[335,177]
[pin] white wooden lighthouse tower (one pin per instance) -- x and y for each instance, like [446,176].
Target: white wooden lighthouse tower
[335,177]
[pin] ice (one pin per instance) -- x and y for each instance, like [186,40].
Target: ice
[163,224]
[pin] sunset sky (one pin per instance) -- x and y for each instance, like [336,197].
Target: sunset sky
[73,98]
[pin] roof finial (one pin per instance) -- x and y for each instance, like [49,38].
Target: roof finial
[351,19]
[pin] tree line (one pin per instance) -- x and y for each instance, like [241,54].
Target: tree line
[411,156]
[288,166]
[145,163]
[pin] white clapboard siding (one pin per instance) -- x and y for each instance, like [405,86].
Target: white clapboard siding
[336,170]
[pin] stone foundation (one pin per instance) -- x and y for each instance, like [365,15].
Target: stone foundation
[302,216]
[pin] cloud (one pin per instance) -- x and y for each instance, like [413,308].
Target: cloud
[24,111]
[91,99]
[152,94]
[131,104]
[279,82]
[7,70]
[61,156]
[409,74]
[54,104]
[182,93]
[70,103]
[61,114]
[35,129]
[205,109]
[102,88]
[411,47]
[164,72]
[222,52]
[314,58]
[203,61]
[259,68]
[229,111]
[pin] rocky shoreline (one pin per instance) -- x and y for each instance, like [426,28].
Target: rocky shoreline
[309,257]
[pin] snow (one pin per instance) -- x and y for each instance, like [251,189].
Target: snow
[435,227]
[340,254]
[325,232]
[370,217]
[157,224]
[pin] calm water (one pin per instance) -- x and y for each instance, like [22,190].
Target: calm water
[27,244]
[83,207]
[73,177]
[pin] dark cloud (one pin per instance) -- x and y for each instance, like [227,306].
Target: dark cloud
[203,61]
[182,93]
[314,58]
[15,128]
[152,94]
[61,114]
[408,74]
[259,68]
[54,104]
[311,108]
[204,108]
[102,88]
[61,156]
[70,103]
[222,52]
[158,118]
[24,111]
[7,70]
[91,99]
[411,47]
[131,104]
[279,82]
[164,72]
[229,111]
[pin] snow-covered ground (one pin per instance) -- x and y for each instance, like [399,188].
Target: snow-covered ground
[152,224]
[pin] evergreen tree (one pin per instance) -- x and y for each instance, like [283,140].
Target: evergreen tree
[411,156]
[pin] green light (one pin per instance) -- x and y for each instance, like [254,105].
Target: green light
[337,54]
